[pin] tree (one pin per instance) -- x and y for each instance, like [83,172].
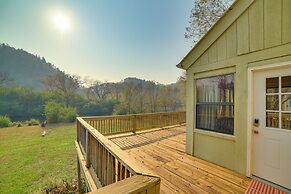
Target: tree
[163,98]
[62,84]
[203,16]
[153,92]
[140,97]
[181,84]
[100,89]
[128,93]
[115,91]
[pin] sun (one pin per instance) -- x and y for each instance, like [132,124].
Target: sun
[61,22]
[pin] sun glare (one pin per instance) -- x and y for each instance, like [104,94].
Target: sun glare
[61,22]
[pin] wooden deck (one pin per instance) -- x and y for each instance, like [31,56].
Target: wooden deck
[163,152]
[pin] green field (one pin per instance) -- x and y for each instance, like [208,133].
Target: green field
[30,163]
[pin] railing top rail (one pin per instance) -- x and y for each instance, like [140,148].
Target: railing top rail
[120,155]
[129,115]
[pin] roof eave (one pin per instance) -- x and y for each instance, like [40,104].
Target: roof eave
[180,66]
[186,62]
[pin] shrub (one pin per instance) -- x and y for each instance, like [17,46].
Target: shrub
[55,113]
[16,124]
[69,114]
[33,122]
[52,112]
[4,121]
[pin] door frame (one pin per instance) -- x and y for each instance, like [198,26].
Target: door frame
[250,141]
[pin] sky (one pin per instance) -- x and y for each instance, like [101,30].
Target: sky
[102,40]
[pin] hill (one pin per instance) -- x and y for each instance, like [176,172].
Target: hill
[24,68]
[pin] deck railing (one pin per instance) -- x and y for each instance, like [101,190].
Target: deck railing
[131,123]
[103,163]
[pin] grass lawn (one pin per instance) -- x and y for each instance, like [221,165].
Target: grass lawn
[30,163]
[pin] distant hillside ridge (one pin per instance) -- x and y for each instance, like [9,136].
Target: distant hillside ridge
[24,68]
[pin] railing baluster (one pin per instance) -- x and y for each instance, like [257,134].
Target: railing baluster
[119,171]
[97,151]
[87,149]
[123,176]
[105,166]
[127,173]
[99,160]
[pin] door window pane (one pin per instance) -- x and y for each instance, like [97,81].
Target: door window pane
[215,104]
[272,85]
[286,120]
[286,84]
[272,119]
[278,113]
[286,102]
[272,102]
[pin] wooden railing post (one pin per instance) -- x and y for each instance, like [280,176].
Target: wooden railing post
[88,162]
[134,124]
[79,176]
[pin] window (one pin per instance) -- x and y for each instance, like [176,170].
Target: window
[278,91]
[215,104]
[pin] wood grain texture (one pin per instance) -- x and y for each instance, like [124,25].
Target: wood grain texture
[162,151]
[133,185]
[108,125]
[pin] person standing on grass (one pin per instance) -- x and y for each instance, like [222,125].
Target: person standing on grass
[43,124]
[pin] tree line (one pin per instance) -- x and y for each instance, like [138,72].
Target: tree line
[73,96]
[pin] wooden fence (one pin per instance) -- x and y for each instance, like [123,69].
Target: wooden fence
[104,164]
[131,123]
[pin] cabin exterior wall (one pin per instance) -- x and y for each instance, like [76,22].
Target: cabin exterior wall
[261,35]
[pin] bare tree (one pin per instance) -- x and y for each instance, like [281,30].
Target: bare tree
[163,98]
[152,91]
[203,16]
[115,91]
[63,84]
[181,84]
[100,89]
[129,92]
[140,97]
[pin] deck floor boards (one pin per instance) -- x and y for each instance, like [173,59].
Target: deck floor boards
[163,152]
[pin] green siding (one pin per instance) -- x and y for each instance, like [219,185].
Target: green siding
[213,53]
[205,58]
[256,15]
[272,22]
[286,21]
[260,35]
[243,33]
[221,47]
[204,145]
[231,41]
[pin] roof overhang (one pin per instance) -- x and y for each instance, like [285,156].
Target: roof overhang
[228,18]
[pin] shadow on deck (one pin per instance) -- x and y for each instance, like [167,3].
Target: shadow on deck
[163,152]
[131,140]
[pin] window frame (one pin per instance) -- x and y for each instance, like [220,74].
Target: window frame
[211,74]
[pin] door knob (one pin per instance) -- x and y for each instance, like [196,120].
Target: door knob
[256,132]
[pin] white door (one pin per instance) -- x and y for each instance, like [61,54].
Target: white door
[272,125]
